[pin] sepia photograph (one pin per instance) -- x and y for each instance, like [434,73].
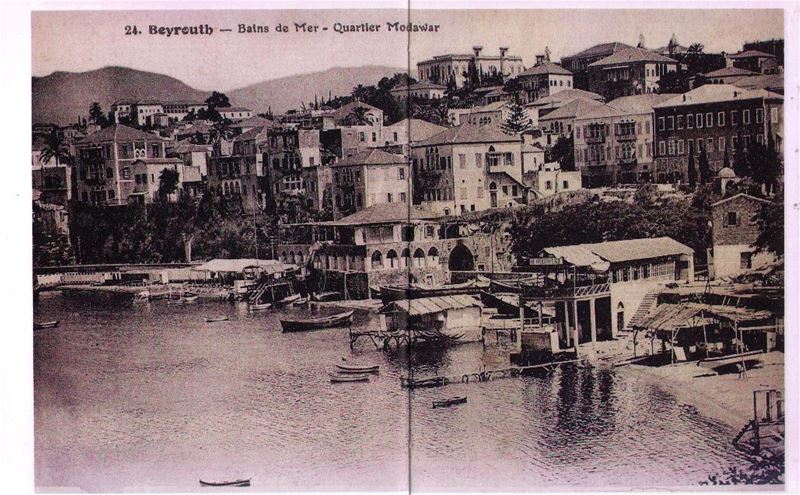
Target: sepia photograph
[410,248]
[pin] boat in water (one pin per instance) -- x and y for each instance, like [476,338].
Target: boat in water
[214,319]
[235,483]
[45,324]
[389,293]
[260,307]
[301,301]
[288,300]
[189,297]
[326,296]
[449,402]
[345,368]
[349,378]
[306,324]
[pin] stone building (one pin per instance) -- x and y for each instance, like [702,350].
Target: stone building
[630,71]
[237,171]
[544,79]
[424,90]
[451,68]
[756,61]
[578,63]
[734,229]
[716,118]
[364,178]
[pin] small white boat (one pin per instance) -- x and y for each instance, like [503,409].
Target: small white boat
[349,378]
[45,324]
[214,319]
[260,307]
[289,299]
[300,302]
[345,368]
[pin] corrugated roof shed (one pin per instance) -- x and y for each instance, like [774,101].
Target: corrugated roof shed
[638,249]
[432,305]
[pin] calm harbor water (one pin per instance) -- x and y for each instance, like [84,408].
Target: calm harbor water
[152,398]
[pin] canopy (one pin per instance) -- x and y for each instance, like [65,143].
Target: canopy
[239,265]
[683,315]
[431,305]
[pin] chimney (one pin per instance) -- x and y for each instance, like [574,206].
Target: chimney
[477,50]
[539,59]
[503,50]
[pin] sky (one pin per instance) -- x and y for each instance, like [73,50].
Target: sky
[77,41]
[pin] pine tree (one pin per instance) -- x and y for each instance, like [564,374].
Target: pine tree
[705,170]
[518,120]
[740,165]
[692,171]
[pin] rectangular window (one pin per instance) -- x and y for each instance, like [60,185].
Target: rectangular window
[746,261]
[374,137]
[680,121]
[689,121]
[680,146]
[401,173]
[661,123]
[389,197]
[548,185]
[661,149]
[402,197]
[462,161]
[670,123]
[361,137]
[731,219]
[720,119]
[565,185]
[759,115]
[745,117]
[709,119]
[733,117]
[759,139]
[700,144]
[710,145]
[647,127]
[478,160]
[394,137]
[722,144]
[699,120]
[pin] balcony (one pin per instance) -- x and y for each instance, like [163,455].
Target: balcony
[596,163]
[626,137]
[595,139]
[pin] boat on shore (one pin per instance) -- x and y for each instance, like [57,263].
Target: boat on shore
[236,483]
[336,378]
[449,402]
[214,319]
[719,361]
[260,307]
[45,324]
[306,324]
[345,368]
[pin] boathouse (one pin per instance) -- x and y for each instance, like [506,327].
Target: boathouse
[454,318]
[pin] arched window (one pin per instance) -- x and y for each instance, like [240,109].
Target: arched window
[433,256]
[492,186]
[391,257]
[236,187]
[283,257]
[227,189]
[405,257]
[377,260]
[419,258]
[291,258]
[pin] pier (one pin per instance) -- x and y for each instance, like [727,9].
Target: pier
[481,376]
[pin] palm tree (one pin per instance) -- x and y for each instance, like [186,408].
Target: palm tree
[696,48]
[54,148]
[221,130]
[359,116]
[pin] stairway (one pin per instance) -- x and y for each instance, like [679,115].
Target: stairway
[255,296]
[648,303]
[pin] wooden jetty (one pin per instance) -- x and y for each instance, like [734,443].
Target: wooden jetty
[480,376]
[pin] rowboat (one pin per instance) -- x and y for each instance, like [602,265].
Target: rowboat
[306,324]
[349,378]
[237,483]
[720,361]
[344,368]
[326,296]
[189,297]
[45,324]
[288,299]
[300,302]
[449,402]
[260,307]
[435,381]
[214,319]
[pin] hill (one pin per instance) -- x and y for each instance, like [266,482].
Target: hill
[288,92]
[61,96]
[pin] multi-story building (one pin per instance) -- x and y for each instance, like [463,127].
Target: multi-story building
[192,155]
[51,177]
[492,114]
[147,178]
[614,142]
[543,106]
[728,75]
[543,79]
[235,171]
[363,178]
[294,164]
[716,118]
[560,122]
[399,136]
[547,179]
[756,61]
[235,113]
[467,168]
[630,71]
[452,68]
[734,230]
[103,163]
[578,64]
[143,111]
[424,90]
[177,110]
[121,109]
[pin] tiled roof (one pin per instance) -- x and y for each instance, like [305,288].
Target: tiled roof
[752,53]
[345,110]
[370,157]
[564,96]
[744,195]
[419,129]
[576,108]
[546,68]
[419,85]
[730,71]
[601,49]
[629,55]
[187,147]
[712,93]
[771,82]
[148,102]
[254,121]
[383,213]
[466,134]
[638,249]
[638,104]
[254,133]
[117,133]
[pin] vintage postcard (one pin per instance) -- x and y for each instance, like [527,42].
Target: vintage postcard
[411,248]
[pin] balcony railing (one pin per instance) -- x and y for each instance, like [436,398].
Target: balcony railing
[566,291]
[626,137]
[595,139]
[596,163]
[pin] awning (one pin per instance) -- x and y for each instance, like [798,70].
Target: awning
[240,264]
[431,305]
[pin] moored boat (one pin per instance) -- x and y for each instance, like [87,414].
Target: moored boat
[349,378]
[236,483]
[300,302]
[326,296]
[260,307]
[719,361]
[214,319]
[45,324]
[345,368]
[449,402]
[288,300]
[306,324]
[189,297]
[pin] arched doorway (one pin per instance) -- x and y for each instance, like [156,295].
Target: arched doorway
[461,259]
[620,317]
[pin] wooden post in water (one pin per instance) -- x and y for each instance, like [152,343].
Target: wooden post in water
[705,337]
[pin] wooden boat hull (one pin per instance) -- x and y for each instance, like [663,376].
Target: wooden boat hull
[718,362]
[260,307]
[349,378]
[326,296]
[449,402]
[216,319]
[236,483]
[308,324]
[45,324]
[300,302]
[343,368]
[288,300]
